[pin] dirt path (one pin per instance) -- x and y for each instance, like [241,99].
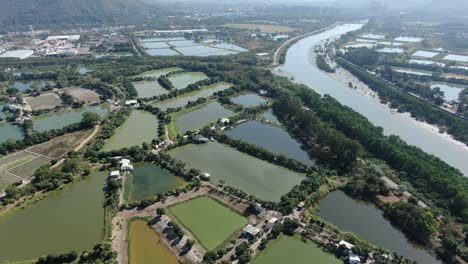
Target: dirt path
[82,144]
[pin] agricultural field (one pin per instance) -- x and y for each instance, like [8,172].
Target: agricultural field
[43,101]
[60,146]
[20,166]
[255,176]
[303,251]
[211,222]
[84,95]
[263,28]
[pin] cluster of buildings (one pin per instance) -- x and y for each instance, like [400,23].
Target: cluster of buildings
[125,167]
[59,46]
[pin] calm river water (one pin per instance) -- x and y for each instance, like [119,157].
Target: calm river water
[299,66]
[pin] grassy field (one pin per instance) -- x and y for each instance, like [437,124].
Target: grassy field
[43,101]
[286,249]
[262,27]
[209,221]
[59,146]
[84,95]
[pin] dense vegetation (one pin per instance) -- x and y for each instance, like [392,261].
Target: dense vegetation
[406,103]
[323,65]
[431,177]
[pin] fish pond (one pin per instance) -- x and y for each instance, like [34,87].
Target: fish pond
[148,180]
[68,219]
[146,246]
[158,73]
[211,222]
[24,86]
[140,127]
[270,116]
[301,250]
[249,100]
[9,131]
[58,120]
[201,117]
[451,91]
[146,89]
[368,222]
[272,138]
[255,176]
[184,79]
[182,101]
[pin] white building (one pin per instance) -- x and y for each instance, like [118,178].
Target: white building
[115,175]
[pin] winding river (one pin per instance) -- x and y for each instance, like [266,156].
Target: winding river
[299,65]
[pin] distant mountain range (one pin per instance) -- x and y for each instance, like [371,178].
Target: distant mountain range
[26,12]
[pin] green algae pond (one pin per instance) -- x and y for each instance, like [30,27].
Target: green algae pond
[148,180]
[57,120]
[184,79]
[201,117]
[294,249]
[146,247]
[182,101]
[272,138]
[264,180]
[69,219]
[140,127]
[211,222]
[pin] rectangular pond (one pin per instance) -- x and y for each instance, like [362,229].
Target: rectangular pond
[367,221]
[146,89]
[426,62]
[146,246]
[162,52]
[140,127]
[391,50]
[255,176]
[409,39]
[69,219]
[57,120]
[272,138]
[201,117]
[373,36]
[158,73]
[182,101]
[413,72]
[301,250]
[248,100]
[184,79]
[453,57]
[425,54]
[211,222]
[148,180]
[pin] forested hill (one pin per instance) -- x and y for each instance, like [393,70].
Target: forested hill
[66,12]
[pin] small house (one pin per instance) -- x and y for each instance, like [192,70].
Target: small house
[115,175]
[199,139]
[225,120]
[353,258]
[131,103]
[346,245]
[251,231]
[271,223]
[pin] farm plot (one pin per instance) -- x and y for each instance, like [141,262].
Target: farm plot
[43,101]
[7,179]
[20,166]
[84,95]
[60,146]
